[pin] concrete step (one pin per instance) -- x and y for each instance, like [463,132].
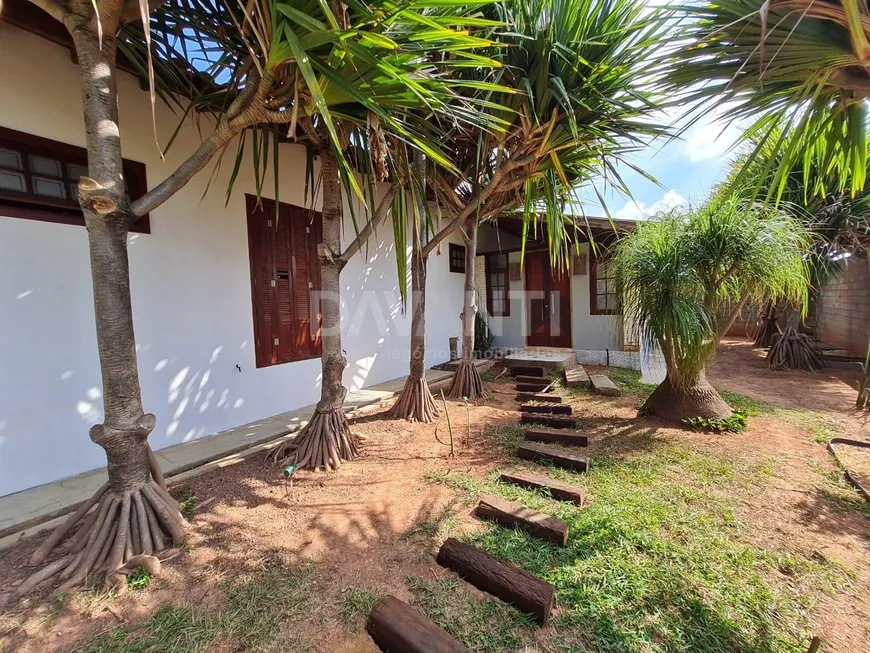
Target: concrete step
[534,451]
[576,377]
[557,436]
[522,378]
[527,370]
[604,386]
[556,421]
[558,490]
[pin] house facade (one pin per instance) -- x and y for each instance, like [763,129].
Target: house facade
[225,310]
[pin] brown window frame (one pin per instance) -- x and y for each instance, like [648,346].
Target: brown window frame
[491,269]
[593,288]
[267,353]
[456,252]
[31,206]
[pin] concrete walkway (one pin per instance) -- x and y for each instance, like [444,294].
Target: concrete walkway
[26,512]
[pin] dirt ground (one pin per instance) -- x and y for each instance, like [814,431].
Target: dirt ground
[351,523]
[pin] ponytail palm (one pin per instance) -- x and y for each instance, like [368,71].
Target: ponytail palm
[678,270]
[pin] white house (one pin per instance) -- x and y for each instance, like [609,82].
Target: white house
[204,366]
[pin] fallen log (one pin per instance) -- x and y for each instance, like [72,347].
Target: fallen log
[507,582]
[396,627]
[513,515]
[558,490]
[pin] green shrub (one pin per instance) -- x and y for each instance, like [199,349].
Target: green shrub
[735,423]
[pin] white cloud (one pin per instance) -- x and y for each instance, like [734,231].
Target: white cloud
[711,137]
[640,211]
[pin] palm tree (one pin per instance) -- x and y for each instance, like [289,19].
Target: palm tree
[795,71]
[578,104]
[678,270]
[346,79]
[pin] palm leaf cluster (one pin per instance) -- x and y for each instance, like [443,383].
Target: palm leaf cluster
[679,270]
[793,71]
[581,104]
[361,77]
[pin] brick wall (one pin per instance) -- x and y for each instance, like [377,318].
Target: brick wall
[844,307]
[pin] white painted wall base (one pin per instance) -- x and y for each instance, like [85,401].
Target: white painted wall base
[617,358]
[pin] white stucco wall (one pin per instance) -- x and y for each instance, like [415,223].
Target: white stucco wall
[591,331]
[191,294]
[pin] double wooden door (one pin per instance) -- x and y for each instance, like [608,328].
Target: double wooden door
[548,303]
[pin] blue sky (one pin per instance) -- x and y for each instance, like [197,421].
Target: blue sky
[685,169]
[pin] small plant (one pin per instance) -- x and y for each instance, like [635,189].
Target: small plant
[138,579]
[735,423]
[186,500]
[483,335]
[864,384]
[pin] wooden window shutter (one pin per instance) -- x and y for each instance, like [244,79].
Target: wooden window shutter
[260,242]
[286,323]
[306,274]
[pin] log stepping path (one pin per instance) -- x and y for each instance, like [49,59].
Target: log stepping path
[396,626]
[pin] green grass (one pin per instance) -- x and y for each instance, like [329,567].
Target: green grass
[251,618]
[357,602]
[485,624]
[629,381]
[656,562]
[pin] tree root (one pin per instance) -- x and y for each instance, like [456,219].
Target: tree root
[415,402]
[115,528]
[466,382]
[324,443]
[795,351]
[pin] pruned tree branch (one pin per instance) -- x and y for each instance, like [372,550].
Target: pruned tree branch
[476,201]
[373,223]
[131,11]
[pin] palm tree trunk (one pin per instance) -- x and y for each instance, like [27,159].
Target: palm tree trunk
[326,440]
[132,514]
[677,398]
[467,382]
[415,402]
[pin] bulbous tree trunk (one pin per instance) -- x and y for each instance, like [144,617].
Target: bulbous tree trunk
[133,513]
[467,382]
[415,402]
[326,440]
[676,399]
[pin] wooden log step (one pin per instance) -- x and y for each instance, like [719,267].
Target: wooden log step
[532,387]
[510,514]
[576,377]
[557,436]
[558,490]
[556,421]
[535,451]
[530,370]
[534,396]
[533,379]
[396,627]
[547,409]
[507,582]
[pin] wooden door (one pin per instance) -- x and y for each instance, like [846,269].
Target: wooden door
[548,303]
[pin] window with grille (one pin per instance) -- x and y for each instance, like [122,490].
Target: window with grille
[285,281]
[603,293]
[497,286]
[39,179]
[457,258]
